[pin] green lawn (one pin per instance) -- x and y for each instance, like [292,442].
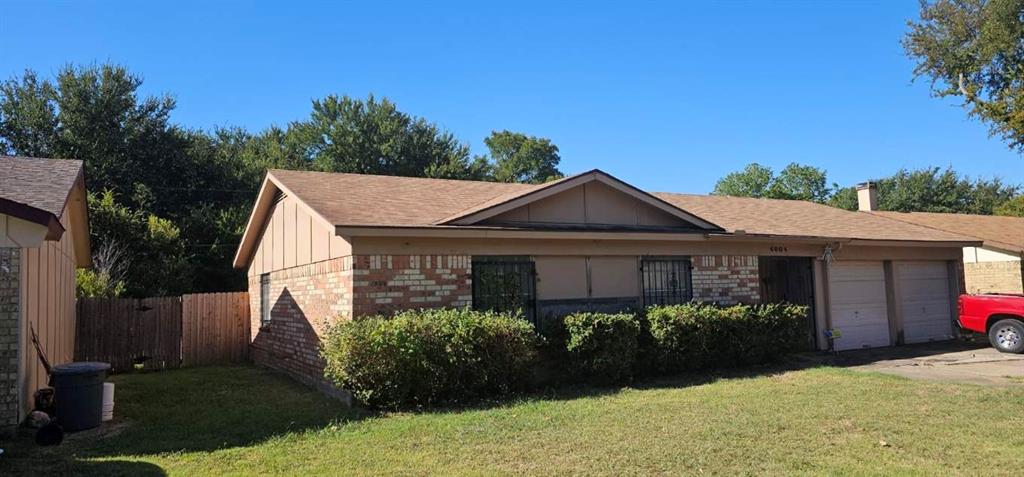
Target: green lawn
[240,420]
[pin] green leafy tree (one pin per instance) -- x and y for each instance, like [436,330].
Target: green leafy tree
[971,49]
[152,167]
[795,182]
[344,134]
[798,182]
[1011,208]
[93,114]
[844,198]
[156,259]
[177,199]
[933,190]
[753,181]
[517,157]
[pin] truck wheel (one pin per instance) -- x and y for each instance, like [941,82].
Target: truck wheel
[1007,336]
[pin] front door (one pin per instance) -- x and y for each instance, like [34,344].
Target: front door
[789,280]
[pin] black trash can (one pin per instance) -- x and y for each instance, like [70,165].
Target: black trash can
[79,394]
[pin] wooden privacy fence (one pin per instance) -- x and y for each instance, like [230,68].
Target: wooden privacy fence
[164,332]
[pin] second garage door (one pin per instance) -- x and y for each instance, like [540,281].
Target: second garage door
[858,305]
[923,298]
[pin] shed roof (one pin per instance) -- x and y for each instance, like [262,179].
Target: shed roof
[1005,233]
[37,190]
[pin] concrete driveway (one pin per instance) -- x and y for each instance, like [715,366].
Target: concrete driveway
[949,361]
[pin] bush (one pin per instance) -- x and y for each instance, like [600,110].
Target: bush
[603,347]
[698,336]
[430,357]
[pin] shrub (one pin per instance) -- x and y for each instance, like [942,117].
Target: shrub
[698,336]
[430,357]
[602,346]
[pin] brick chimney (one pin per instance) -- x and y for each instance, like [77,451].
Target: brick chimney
[867,196]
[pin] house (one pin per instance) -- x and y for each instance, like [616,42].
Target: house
[44,237]
[994,267]
[322,247]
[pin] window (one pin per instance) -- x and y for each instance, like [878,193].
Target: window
[666,280]
[505,284]
[264,299]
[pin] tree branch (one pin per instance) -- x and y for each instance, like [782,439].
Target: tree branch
[963,89]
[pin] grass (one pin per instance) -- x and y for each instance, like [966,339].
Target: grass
[241,420]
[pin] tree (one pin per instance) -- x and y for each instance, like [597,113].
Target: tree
[177,199]
[374,137]
[105,279]
[752,181]
[94,114]
[933,190]
[972,49]
[794,182]
[1011,208]
[797,182]
[517,157]
[155,261]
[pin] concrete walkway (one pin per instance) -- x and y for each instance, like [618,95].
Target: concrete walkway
[950,361]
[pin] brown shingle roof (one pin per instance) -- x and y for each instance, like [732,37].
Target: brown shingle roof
[799,218]
[1005,233]
[43,184]
[365,200]
[357,199]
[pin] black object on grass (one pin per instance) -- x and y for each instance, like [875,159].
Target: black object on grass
[50,435]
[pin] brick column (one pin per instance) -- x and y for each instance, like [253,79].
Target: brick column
[9,310]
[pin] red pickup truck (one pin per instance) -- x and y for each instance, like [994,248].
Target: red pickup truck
[1000,316]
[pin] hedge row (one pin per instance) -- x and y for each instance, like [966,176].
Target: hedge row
[439,357]
[693,336]
[430,357]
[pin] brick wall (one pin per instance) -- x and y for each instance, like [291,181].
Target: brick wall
[726,279]
[9,310]
[304,300]
[307,299]
[986,277]
[384,284]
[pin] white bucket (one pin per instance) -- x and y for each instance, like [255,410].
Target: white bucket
[108,401]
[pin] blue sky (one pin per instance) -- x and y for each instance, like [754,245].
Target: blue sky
[669,97]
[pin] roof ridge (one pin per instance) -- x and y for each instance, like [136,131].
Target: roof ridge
[439,179]
[738,197]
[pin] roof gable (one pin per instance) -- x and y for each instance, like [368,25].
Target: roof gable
[44,191]
[37,190]
[508,204]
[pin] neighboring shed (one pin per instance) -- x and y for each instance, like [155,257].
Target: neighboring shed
[44,236]
[996,266]
[322,247]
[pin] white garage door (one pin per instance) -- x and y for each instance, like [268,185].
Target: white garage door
[923,294]
[858,305]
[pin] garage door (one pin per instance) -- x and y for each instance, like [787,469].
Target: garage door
[858,306]
[923,299]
